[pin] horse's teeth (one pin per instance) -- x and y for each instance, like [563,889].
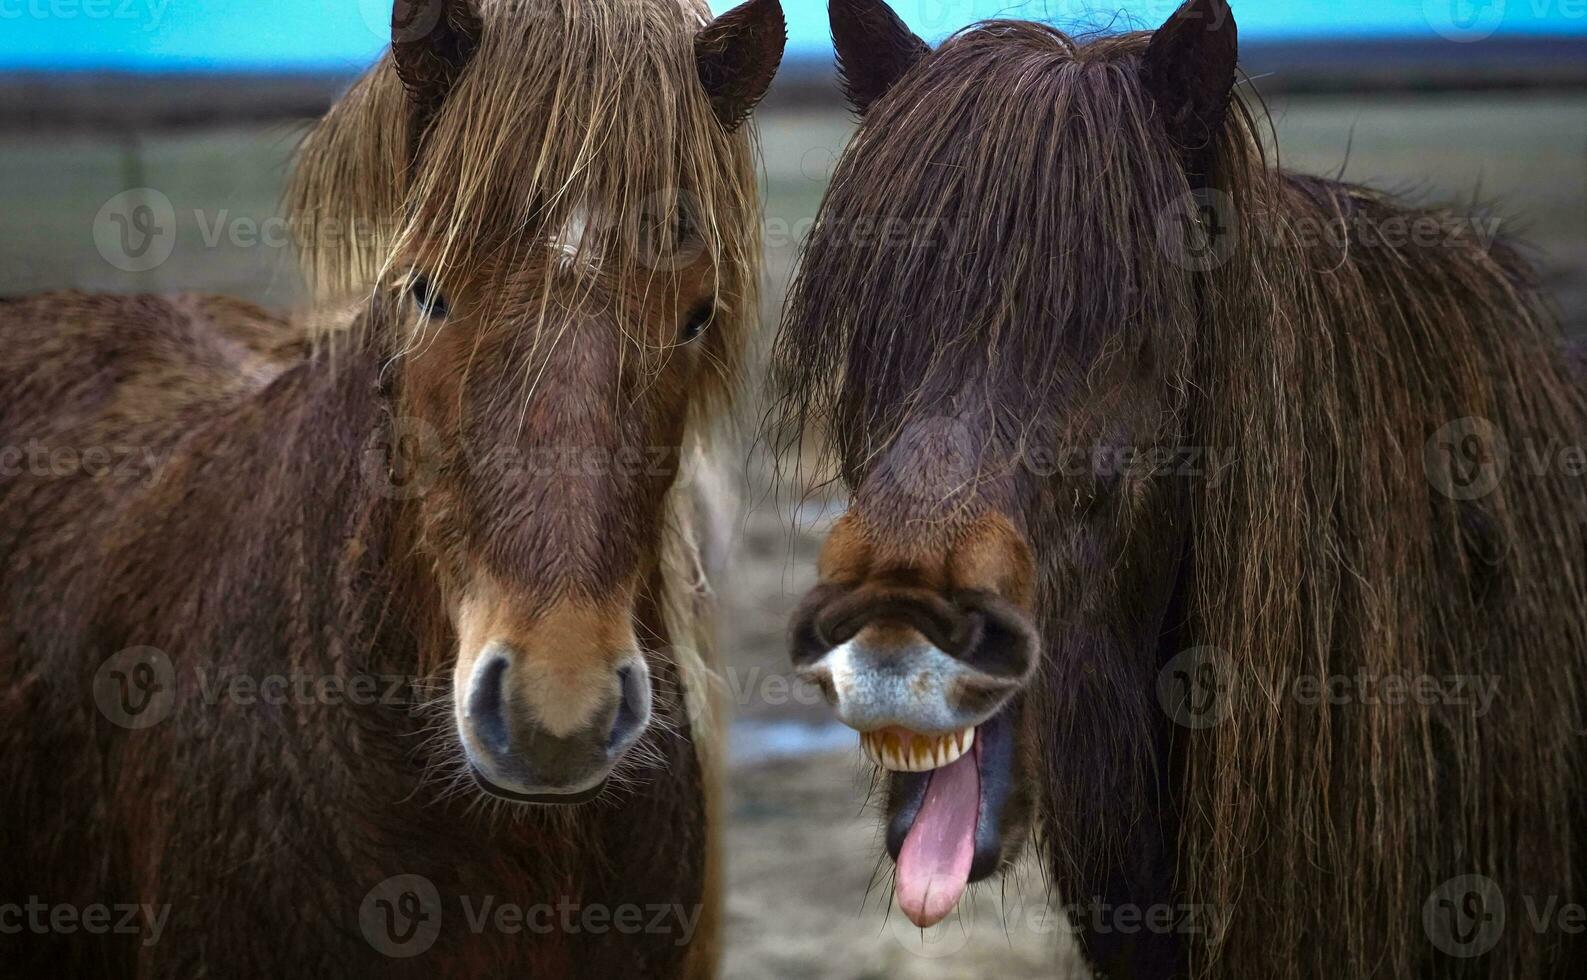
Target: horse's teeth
[915,753]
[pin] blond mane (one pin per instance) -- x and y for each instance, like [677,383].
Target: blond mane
[611,128]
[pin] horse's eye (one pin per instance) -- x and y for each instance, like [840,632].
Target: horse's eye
[699,318]
[428,297]
[685,227]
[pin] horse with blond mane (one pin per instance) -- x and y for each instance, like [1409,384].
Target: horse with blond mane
[397,663]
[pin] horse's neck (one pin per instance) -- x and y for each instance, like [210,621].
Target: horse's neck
[309,459]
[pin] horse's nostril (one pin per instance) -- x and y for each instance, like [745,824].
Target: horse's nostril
[633,707]
[487,704]
[999,639]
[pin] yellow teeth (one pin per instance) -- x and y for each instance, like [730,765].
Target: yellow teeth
[901,751]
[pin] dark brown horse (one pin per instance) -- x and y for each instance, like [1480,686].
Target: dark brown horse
[298,616]
[1214,526]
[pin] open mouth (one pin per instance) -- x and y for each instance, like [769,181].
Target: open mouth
[563,799]
[948,795]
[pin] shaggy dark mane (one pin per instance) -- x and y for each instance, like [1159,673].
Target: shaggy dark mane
[949,165]
[1027,190]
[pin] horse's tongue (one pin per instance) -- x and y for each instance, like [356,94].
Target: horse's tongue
[934,863]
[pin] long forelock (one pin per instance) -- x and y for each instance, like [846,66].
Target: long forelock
[570,110]
[1015,183]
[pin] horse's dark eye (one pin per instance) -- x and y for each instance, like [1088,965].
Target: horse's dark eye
[699,318]
[428,297]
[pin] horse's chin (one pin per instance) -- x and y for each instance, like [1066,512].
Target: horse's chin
[946,837]
[554,799]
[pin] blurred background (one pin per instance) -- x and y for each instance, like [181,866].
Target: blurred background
[194,107]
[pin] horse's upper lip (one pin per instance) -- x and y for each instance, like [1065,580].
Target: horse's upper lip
[578,796]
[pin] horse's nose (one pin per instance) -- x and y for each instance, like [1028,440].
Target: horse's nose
[902,633]
[515,754]
[891,655]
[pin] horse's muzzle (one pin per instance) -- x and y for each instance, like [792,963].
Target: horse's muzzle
[909,658]
[513,756]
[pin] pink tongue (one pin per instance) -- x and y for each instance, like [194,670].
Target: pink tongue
[934,863]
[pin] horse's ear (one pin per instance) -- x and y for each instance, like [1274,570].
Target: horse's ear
[431,42]
[1189,69]
[874,47]
[737,55]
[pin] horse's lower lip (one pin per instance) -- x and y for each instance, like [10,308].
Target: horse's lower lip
[562,799]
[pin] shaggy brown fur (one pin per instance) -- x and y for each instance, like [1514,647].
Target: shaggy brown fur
[318,498]
[997,254]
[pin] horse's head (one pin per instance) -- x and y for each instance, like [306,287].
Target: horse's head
[569,291]
[994,342]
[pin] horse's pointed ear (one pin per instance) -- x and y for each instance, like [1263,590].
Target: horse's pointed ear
[431,42]
[737,55]
[1189,69]
[874,48]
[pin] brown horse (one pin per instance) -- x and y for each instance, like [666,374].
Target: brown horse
[408,557]
[1212,525]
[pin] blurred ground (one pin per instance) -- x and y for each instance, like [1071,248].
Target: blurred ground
[802,848]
